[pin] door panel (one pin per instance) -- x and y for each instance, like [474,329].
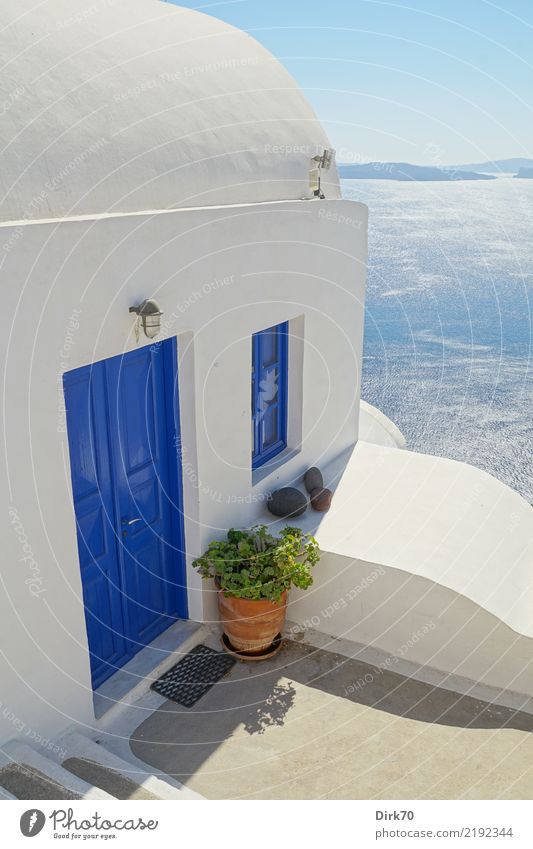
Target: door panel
[146,593]
[108,648]
[122,421]
[85,392]
[135,377]
[140,433]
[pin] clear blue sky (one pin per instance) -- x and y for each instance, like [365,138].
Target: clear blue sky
[444,81]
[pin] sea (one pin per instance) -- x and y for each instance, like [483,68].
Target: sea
[448,318]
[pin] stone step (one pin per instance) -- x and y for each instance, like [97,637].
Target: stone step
[102,765]
[110,780]
[23,769]
[25,782]
[5,794]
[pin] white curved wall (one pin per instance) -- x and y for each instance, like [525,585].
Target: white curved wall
[138,105]
[452,545]
[377,428]
[417,627]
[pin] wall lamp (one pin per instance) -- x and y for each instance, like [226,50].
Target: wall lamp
[149,317]
[321,162]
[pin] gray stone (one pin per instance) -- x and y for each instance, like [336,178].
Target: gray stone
[321,499]
[287,502]
[313,479]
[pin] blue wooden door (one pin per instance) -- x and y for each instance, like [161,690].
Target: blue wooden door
[123,428]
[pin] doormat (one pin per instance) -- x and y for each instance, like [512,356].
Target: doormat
[193,675]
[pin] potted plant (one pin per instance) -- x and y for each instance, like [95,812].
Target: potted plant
[253,571]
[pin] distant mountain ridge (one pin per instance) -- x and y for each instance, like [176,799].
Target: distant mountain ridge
[525,173]
[405,171]
[496,166]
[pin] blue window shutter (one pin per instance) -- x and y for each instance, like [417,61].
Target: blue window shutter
[269,392]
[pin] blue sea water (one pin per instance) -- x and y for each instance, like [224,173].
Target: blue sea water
[448,327]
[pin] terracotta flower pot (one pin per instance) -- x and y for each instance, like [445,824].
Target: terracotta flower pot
[251,626]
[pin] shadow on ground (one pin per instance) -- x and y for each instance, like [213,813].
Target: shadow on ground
[294,726]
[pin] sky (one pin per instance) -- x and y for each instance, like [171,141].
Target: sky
[426,81]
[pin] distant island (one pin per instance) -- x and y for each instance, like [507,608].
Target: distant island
[525,173]
[405,171]
[497,166]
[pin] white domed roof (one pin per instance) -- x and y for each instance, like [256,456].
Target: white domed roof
[129,105]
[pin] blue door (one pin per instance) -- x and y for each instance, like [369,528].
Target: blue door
[123,431]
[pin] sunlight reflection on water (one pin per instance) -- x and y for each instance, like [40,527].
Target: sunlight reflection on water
[448,331]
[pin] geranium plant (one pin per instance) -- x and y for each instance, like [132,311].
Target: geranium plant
[254,564]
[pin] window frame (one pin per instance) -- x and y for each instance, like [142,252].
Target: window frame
[261,455]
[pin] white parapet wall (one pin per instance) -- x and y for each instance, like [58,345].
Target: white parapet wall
[428,560]
[377,428]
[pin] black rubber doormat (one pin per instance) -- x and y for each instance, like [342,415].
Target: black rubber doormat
[193,675]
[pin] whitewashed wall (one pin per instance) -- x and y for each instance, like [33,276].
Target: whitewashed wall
[219,274]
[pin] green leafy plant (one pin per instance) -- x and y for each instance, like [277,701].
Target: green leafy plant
[254,564]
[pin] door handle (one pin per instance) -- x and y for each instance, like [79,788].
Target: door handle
[127,522]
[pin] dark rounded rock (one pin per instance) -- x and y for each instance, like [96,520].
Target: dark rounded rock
[321,499]
[287,502]
[313,479]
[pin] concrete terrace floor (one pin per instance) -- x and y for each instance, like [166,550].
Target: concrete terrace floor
[312,724]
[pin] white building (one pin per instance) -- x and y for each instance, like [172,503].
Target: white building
[152,152]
